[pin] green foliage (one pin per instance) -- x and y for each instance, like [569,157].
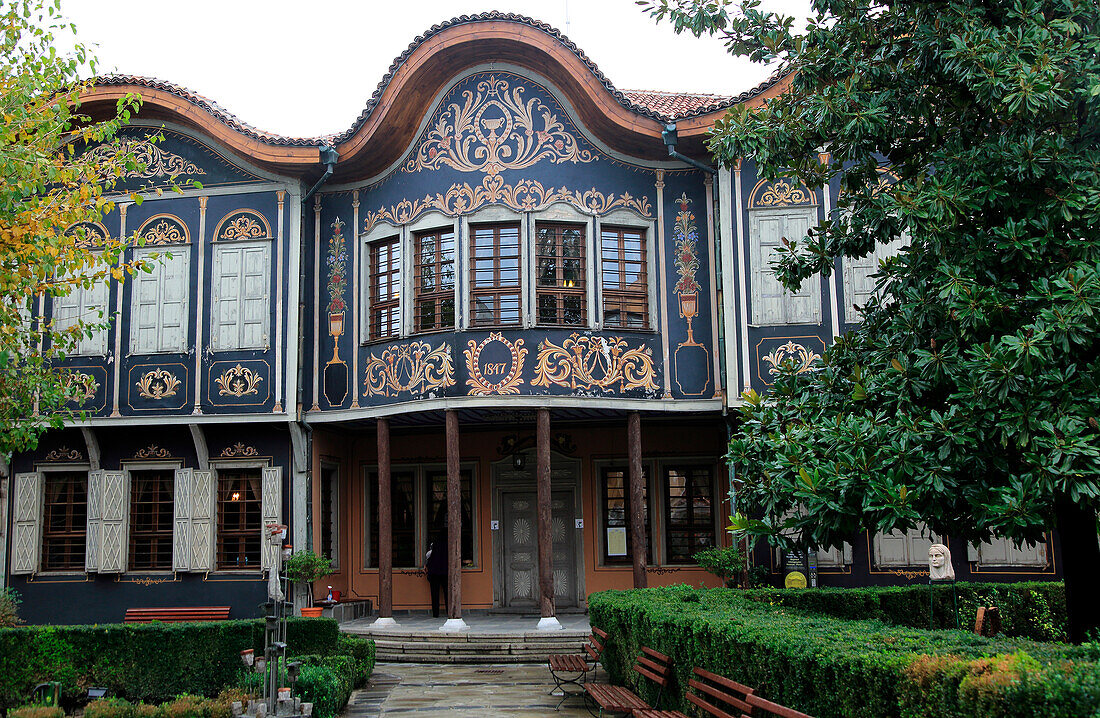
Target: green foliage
[327,681]
[9,608]
[307,567]
[37,712]
[184,706]
[834,668]
[1034,610]
[727,563]
[143,662]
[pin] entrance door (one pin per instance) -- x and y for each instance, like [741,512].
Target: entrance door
[519,524]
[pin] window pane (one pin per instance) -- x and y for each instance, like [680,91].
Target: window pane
[560,284]
[437,510]
[65,520]
[434,280]
[151,509]
[403,519]
[239,519]
[689,494]
[495,274]
[615,496]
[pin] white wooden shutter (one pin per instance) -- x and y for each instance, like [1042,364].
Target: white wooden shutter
[241,290]
[203,502]
[835,557]
[225,314]
[891,549]
[143,307]
[88,305]
[859,286]
[1003,552]
[771,302]
[158,319]
[27,530]
[271,508]
[919,540]
[255,283]
[181,520]
[113,535]
[972,554]
[95,521]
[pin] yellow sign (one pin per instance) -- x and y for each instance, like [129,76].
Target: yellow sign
[795,579]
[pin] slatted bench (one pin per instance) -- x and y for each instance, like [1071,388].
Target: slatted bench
[573,668]
[600,697]
[176,615]
[716,695]
[762,707]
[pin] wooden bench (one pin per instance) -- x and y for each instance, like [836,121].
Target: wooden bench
[762,707]
[176,615]
[573,668]
[651,664]
[715,694]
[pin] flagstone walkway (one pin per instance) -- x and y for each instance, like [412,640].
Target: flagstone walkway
[419,690]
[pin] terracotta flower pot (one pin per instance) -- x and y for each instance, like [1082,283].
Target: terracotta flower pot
[312,611]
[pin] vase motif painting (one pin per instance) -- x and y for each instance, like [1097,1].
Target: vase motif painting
[691,359]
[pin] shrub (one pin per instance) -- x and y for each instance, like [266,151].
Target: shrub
[306,567]
[184,706]
[727,563]
[833,668]
[37,712]
[362,650]
[9,608]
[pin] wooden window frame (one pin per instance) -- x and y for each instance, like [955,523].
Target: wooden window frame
[248,532]
[692,525]
[76,526]
[239,343]
[392,301]
[329,508]
[624,297]
[497,291]
[159,533]
[559,291]
[603,471]
[162,270]
[438,296]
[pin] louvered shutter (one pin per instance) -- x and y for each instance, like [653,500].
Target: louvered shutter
[27,530]
[88,305]
[203,501]
[271,508]
[172,301]
[181,520]
[253,310]
[242,282]
[114,514]
[95,521]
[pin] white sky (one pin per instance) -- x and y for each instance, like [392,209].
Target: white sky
[307,68]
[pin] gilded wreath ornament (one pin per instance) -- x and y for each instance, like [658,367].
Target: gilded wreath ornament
[587,362]
[802,358]
[495,128]
[152,161]
[416,367]
[238,381]
[479,385]
[157,384]
[782,193]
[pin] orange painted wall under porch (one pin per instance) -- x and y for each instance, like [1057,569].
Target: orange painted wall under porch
[353,452]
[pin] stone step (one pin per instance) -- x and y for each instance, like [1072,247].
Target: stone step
[472,647]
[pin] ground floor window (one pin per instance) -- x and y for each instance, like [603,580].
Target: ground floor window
[689,511]
[151,513]
[330,520]
[65,525]
[615,508]
[418,502]
[239,518]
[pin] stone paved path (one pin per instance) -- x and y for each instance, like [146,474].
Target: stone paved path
[418,690]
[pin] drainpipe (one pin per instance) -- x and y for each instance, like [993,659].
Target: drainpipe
[329,157]
[669,136]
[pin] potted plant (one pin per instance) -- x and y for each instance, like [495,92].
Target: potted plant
[307,567]
[726,563]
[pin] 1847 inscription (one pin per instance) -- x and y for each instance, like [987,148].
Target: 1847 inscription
[495,365]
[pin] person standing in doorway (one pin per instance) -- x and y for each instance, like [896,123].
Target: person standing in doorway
[436,565]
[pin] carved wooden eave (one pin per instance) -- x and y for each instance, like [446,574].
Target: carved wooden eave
[389,122]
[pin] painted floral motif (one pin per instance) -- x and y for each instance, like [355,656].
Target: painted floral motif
[496,129]
[64,453]
[337,262]
[157,384]
[238,381]
[242,226]
[524,196]
[152,160]
[509,383]
[81,386]
[88,234]
[152,452]
[782,193]
[594,363]
[164,230]
[416,367]
[238,450]
[686,235]
[802,357]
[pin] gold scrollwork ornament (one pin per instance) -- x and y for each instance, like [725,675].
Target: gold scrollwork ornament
[238,381]
[157,384]
[479,385]
[594,362]
[802,357]
[416,367]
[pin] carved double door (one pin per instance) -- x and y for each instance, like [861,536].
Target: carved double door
[520,560]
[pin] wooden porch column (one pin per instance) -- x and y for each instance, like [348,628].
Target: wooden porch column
[385,528]
[548,622]
[637,498]
[454,620]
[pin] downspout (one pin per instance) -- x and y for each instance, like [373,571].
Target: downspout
[329,157]
[670,137]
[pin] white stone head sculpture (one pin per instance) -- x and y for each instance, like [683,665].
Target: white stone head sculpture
[939,563]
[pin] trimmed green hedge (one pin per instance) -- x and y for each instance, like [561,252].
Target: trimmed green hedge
[150,662]
[1035,609]
[833,668]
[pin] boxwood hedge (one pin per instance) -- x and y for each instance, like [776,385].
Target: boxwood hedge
[836,668]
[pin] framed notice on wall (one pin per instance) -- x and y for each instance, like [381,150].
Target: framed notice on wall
[616,541]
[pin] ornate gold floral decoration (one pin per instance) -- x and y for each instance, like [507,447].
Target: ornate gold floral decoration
[88,234]
[238,381]
[496,129]
[157,384]
[416,367]
[152,452]
[594,362]
[157,162]
[164,229]
[524,196]
[81,386]
[479,385]
[242,225]
[802,357]
[783,193]
[238,450]
[64,453]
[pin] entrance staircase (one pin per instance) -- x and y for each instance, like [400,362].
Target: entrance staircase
[490,639]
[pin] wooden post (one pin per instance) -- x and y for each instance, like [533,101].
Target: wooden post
[637,499]
[454,526]
[546,543]
[385,523]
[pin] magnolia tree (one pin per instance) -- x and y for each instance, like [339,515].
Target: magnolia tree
[968,399]
[48,186]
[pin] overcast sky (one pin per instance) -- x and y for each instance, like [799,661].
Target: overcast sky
[308,68]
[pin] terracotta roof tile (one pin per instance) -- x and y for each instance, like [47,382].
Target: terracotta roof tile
[673,105]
